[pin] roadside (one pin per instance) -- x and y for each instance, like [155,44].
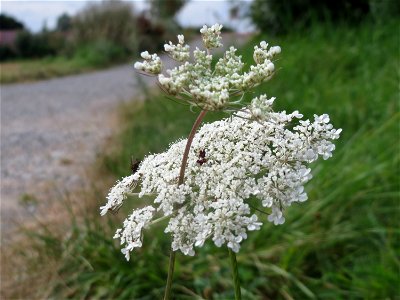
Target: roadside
[40,69]
[52,67]
[51,133]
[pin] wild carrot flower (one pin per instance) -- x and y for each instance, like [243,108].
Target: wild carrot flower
[243,159]
[198,84]
[211,185]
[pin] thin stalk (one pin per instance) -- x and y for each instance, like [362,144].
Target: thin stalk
[188,144]
[171,267]
[235,274]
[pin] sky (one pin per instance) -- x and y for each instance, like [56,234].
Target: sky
[34,14]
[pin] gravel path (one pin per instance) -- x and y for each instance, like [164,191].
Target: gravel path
[51,132]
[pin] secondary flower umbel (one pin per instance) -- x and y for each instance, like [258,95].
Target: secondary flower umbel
[242,159]
[197,83]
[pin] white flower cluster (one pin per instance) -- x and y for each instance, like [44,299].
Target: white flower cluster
[231,164]
[131,234]
[200,85]
[260,107]
[152,63]
[211,36]
[262,53]
[117,194]
[179,52]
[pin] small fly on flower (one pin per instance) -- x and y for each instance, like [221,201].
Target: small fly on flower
[135,164]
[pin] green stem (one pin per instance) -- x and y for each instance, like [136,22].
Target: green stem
[167,294]
[235,274]
[171,267]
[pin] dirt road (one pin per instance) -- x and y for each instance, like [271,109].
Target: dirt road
[51,132]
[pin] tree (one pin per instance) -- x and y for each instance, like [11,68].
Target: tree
[165,9]
[9,23]
[64,23]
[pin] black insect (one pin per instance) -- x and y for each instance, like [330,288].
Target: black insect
[202,157]
[135,164]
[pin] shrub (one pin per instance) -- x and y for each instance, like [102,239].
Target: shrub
[37,45]
[113,21]
[6,52]
[100,53]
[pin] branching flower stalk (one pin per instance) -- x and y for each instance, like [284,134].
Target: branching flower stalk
[181,179]
[203,184]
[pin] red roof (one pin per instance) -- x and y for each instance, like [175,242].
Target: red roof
[7,37]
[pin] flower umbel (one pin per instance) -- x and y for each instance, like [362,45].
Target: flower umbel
[197,83]
[131,234]
[211,36]
[118,193]
[179,52]
[243,159]
[151,64]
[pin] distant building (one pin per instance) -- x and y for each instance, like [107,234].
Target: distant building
[8,37]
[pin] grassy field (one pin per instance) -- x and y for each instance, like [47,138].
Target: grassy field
[37,69]
[84,60]
[343,243]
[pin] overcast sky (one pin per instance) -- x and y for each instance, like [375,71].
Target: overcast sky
[34,14]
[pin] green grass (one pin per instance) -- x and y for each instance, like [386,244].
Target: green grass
[86,58]
[37,69]
[343,243]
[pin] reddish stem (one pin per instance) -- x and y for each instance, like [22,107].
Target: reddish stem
[181,179]
[188,144]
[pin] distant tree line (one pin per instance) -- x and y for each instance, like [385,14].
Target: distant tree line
[283,16]
[9,23]
[102,32]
